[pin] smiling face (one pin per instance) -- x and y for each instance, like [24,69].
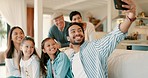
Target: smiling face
[77,18]
[17,36]
[59,22]
[27,48]
[50,47]
[76,35]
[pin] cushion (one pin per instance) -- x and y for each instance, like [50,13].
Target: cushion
[2,58]
[128,64]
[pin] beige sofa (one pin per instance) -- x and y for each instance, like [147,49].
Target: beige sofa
[2,57]
[128,64]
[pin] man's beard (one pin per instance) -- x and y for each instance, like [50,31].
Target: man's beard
[76,43]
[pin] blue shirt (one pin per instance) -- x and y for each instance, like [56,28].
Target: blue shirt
[61,67]
[60,36]
[94,55]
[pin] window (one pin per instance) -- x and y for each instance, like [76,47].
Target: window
[4,28]
[47,23]
[66,18]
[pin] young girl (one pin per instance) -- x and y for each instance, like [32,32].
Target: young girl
[57,63]
[12,59]
[29,63]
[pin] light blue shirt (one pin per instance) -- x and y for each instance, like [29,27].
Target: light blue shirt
[94,55]
[61,67]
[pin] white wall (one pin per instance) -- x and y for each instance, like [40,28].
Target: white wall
[98,13]
[46,25]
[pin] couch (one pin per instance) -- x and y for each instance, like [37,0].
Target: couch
[128,64]
[2,57]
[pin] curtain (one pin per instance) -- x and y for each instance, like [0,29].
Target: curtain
[14,11]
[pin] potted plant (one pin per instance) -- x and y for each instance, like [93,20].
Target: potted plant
[2,32]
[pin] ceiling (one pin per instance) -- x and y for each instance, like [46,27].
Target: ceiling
[81,5]
[70,4]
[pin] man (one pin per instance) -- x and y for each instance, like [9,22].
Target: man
[90,58]
[89,28]
[59,29]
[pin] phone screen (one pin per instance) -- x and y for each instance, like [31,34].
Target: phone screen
[118,5]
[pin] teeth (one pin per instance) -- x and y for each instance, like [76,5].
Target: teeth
[19,38]
[78,37]
[52,49]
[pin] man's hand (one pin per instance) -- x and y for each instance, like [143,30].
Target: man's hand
[131,13]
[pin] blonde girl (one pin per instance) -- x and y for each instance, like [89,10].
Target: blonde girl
[29,63]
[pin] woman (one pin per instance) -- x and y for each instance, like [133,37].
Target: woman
[12,59]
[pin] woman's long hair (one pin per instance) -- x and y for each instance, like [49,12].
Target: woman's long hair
[10,44]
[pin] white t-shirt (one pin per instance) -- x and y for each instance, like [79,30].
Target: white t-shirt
[77,67]
[30,68]
[12,68]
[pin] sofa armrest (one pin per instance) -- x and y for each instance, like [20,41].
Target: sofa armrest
[128,64]
[2,57]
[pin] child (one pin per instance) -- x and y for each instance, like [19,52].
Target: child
[57,63]
[29,63]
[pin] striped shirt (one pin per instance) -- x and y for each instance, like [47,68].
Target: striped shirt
[94,55]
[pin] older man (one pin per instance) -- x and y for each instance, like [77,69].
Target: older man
[59,29]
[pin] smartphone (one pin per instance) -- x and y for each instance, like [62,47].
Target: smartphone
[118,5]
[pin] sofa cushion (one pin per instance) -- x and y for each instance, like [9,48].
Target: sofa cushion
[128,64]
[2,57]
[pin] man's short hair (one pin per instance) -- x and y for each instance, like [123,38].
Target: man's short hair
[75,23]
[73,13]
